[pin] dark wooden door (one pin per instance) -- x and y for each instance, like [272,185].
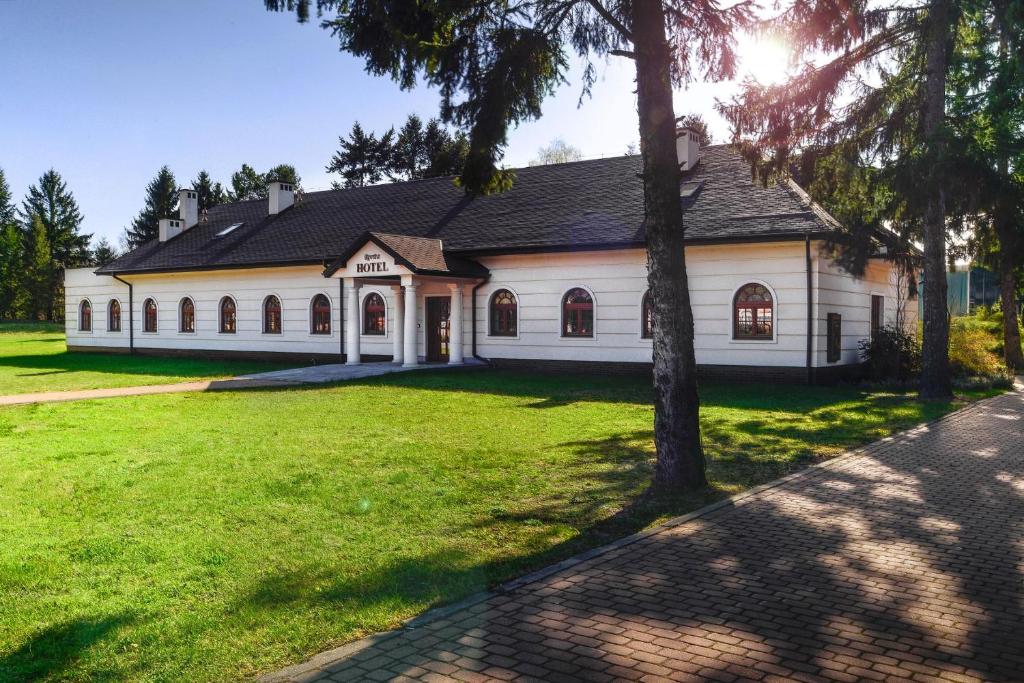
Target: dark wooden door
[438,327]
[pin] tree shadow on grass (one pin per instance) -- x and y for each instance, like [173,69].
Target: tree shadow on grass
[907,558]
[51,651]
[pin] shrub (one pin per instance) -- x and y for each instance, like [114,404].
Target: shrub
[973,351]
[891,355]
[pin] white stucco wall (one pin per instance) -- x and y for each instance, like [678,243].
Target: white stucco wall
[837,291]
[617,280]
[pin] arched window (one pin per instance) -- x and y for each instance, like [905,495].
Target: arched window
[186,315]
[227,315]
[752,312]
[320,315]
[85,316]
[271,315]
[647,316]
[149,316]
[374,314]
[114,316]
[577,313]
[504,314]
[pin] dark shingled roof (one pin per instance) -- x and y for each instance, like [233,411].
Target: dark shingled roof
[574,206]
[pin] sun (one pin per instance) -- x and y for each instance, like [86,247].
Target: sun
[765,59]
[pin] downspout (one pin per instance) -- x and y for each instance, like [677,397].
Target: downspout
[472,303]
[131,314]
[341,316]
[810,309]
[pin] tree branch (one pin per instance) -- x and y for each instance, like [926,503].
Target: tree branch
[629,54]
[610,18]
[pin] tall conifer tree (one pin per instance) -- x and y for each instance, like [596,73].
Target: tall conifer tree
[362,159]
[11,259]
[161,202]
[210,193]
[496,62]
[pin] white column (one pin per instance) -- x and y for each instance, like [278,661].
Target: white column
[398,326]
[409,357]
[455,326]
[352,324]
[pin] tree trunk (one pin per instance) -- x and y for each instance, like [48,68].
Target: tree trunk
[680,456]
[935,380]
[1008,298]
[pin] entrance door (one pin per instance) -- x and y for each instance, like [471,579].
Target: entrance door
[438,327]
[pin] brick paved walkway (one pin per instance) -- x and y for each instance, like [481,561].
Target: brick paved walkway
[903,561]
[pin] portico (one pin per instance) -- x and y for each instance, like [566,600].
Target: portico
[425,292]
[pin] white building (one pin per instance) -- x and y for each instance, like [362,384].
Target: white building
[551,273]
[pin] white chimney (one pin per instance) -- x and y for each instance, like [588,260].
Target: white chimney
[282,195]
[188,207]
[170,227]
[687,148]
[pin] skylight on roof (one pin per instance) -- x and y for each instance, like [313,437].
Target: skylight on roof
[688,189]
[231,228]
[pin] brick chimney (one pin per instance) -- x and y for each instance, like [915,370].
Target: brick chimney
[282,196]
[188,207]
[687,148]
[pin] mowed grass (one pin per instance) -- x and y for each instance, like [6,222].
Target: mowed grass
[34,358]
[217,536]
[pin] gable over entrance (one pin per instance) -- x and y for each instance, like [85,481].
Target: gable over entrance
[381,255]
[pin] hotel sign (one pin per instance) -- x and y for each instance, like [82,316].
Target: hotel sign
[372,263]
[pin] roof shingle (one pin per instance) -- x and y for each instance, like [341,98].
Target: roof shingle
[585,204]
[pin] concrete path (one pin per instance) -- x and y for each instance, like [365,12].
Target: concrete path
[901,561]
[317,374]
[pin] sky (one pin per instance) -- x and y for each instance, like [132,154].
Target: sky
[108,91]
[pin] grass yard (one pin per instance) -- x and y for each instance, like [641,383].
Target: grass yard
[220,535]
[33,358]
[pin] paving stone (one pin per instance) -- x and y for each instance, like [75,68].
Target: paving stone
[901,561]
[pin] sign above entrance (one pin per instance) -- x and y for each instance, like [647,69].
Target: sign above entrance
[370,261]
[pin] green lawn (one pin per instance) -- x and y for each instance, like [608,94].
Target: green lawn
[216,536]
[33,358]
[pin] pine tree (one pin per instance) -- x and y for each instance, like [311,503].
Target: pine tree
[697,124]
[494,64]
[872,92]
[104,253]
[409,159]
[361,159]
[210,193]
[56,207]
[446,153]
[987,88]
[11,258]
[36,298]
[161,202]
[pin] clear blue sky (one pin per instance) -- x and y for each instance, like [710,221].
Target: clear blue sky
[107,91]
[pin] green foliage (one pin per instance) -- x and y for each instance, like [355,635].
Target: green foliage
[974,344]
[425,152]
[39,281]
[697,124]
[247,184]
[11,257]
[362,159]
[104,252]
[210,194]
[56,208]
[891,355]
[161,202]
